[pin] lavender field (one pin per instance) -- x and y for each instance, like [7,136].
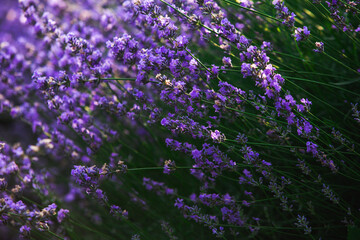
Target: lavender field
[179,119]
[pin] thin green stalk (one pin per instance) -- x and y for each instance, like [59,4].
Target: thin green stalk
[252,10]
[322,83]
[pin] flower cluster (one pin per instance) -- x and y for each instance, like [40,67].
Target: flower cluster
[108,103]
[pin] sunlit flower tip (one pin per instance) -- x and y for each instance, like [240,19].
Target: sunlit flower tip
[319,47]
[169,166]
[217,136]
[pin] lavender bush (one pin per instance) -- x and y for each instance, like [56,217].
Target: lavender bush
[176,119]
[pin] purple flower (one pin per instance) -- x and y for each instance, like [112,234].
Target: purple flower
[319,47]
[311,148]
[25,231]
[117,212]
[284,13]
[246,69]
[62,214]
[181,42]
[304,224]
[301,34]
[179,203]
[227,62]
[217,136]
[169,166]
[215,70]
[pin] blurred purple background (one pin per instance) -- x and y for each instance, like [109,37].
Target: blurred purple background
[12,131]
[10,29]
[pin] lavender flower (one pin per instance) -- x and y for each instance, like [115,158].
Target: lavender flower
[319,47]
[301,34]
[304,224]
[284,13]
[61,215]
[105,90]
